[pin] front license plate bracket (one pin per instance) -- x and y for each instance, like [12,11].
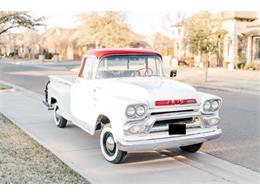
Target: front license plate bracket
[177,129]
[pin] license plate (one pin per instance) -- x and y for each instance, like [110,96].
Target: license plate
[177,129]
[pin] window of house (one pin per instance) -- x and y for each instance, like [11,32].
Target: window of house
[257,49]
[179,31]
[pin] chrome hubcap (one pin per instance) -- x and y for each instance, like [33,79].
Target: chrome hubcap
[57,115]
[110,144]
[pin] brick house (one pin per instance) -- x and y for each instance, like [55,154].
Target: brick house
[240,41]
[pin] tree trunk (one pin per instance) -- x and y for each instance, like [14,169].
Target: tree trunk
[96,44]
[206,71]
[206,62]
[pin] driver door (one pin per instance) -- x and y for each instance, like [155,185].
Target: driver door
[82,95]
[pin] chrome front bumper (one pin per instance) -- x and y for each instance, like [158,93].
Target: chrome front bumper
[168,142]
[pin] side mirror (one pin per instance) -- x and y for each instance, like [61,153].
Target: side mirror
[173,73]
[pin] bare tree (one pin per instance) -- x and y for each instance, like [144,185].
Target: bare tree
[202,35]
[31,40]
[105,29]
[15,19]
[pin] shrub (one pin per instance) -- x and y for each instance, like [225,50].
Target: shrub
[48,55]
[253,66]
[241,65]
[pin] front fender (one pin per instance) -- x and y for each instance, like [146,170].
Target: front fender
[115,109]
[207,96]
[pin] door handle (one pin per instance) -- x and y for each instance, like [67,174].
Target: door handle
[96,89]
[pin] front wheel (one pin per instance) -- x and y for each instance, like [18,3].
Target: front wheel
[191,148]
[58,119]
[109,148]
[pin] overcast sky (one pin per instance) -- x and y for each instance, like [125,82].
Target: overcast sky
[140,22]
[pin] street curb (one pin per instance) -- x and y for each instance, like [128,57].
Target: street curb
[225,89]
[209,86]
[25,91]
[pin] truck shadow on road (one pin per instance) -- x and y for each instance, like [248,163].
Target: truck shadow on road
[134,158]
[144,157]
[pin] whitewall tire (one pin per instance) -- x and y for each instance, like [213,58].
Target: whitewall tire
[108,146]
[58,119]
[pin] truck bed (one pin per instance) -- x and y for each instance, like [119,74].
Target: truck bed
[59,88]
[65,79]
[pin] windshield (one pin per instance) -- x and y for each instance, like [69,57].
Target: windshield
[129,66]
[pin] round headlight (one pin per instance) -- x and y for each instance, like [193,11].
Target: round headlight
[130,111]
[140,110]
[215,105]
[207,106]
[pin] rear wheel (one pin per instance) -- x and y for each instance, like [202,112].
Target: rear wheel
[109,148]
[191,148]
[58,119]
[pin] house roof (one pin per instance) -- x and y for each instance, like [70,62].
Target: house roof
[227,15]
[52,35]
[254,24]
[239,15]
[99,53]
[158,40]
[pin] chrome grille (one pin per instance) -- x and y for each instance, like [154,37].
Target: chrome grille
[173,121]
[162,120]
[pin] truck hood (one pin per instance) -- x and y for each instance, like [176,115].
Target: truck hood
[149,89]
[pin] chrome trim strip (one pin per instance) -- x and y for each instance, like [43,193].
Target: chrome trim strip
[169,142]
[166,127]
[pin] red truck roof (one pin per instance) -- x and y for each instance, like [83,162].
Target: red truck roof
[99,53]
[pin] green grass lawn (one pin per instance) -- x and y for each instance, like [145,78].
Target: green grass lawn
[2,86]
[23,160]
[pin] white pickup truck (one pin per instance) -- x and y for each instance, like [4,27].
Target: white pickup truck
[125,94]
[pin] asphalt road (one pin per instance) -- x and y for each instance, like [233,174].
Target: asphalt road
[239,144]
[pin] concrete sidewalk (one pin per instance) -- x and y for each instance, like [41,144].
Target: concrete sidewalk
[221,79]
[81,151]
